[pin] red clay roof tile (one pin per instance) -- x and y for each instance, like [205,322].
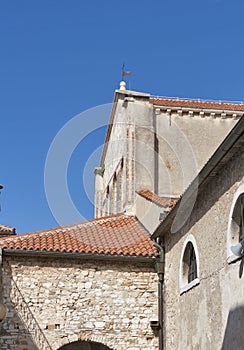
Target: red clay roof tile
[152,197]
[6,229]
[174,102]
[115,235]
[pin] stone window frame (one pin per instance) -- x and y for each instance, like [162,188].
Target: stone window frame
[232,232]
[183,284]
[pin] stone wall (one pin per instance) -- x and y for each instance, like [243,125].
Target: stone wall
[209,316]
[53,302]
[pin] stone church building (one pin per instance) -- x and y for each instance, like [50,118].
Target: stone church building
[161,264]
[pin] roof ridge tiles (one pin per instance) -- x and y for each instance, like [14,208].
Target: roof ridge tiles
[198,103]
[189,99]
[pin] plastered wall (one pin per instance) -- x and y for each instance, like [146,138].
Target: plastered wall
[185,144]
[209,316]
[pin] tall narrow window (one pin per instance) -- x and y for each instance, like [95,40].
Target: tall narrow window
[236,223]
[189,266]
[108,202]
[114,195]
[191,262]
[241,239]
[241,226]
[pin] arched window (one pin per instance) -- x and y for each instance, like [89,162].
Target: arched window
[114,195]
[236,223]
[189,265]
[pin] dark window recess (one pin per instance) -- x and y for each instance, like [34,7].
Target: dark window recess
[192,272]
[238,220]
[241,234]
[189,264]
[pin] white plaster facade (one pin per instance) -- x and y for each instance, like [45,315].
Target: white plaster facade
[155,144]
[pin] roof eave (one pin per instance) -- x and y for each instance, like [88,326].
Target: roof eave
[83,256]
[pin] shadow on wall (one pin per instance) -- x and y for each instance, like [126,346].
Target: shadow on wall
[20,330]
[234,332]
[84,345]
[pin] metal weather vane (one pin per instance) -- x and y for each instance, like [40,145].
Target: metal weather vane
[124,73]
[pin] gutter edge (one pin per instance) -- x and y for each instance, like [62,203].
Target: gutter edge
[82,256]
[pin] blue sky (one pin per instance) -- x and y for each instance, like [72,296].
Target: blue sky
[60,58]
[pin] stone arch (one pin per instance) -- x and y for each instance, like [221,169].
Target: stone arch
[84,345]
[97,338]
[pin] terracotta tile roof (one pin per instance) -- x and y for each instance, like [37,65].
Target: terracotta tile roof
[6,229]
[152,197]
[115,235]
[171,102]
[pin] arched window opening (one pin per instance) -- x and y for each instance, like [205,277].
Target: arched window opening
[114,194]
[107,192]
[237,233]
[189,265]
[236,227]
[108,201]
